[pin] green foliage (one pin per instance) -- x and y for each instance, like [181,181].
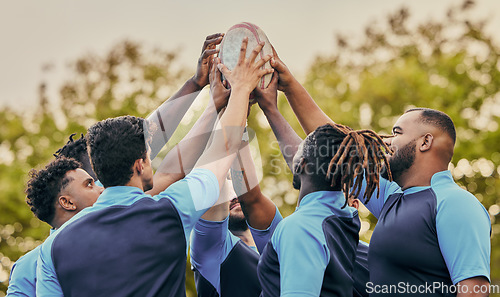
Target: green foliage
[451,65]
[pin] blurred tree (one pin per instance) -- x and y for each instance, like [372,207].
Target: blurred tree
[451,65]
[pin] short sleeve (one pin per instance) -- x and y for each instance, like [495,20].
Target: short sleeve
[300,253]
[211,242]
[262,237]
[47,283]
[192,196]
[463,228]
[22,278]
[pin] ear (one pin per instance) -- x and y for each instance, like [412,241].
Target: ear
[66,203]
[427,142]
[354,203]
[139,166]
[301,166]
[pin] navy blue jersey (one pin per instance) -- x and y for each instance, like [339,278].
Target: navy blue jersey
[312,252]
[128,243]
[223,264]
[425,236]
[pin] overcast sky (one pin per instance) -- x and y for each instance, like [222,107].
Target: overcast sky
[36,33]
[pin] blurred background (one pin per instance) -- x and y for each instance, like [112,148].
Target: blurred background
[66,64]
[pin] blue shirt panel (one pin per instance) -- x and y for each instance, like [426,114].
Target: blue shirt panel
[375,205]
[300,244]
[463,229]
[201,184]
[261,237]
[430,234]
[22,279]
[211,242]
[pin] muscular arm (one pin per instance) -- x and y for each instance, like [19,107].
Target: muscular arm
[287,138]
[258,209]
[167,117]
[308,113]
[476,287]
[227,138]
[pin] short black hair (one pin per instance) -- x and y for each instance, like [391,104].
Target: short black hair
[438,119]
[45,185]
[114,145]
[75,149]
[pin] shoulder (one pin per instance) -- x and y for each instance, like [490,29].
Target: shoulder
[297,227]
[29,258]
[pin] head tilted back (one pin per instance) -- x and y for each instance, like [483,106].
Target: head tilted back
[350,156]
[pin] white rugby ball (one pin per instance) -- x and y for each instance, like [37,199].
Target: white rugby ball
[231,46]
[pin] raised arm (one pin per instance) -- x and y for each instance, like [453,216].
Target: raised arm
[287,138]
[168,116]
[181,159]
[227,138]
[308,113]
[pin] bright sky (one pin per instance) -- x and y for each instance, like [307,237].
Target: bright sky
[34,33]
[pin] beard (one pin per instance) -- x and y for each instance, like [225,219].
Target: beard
[237,222]
[401,161]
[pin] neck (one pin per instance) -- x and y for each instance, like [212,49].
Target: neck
[135,181]
[419,176]
[245,236]
[307,187]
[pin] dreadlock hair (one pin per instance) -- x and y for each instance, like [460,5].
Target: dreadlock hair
[351,157]
[75,149]
[44,186]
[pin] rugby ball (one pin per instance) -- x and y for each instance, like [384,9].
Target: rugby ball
[231,45]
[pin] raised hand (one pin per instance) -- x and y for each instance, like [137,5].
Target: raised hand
[205,61]
[247,73]
[219,92]
[268,98]
[285,76]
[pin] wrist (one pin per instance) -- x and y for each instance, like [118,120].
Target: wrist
[196,83]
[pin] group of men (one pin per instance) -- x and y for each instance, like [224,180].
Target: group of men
[120,230]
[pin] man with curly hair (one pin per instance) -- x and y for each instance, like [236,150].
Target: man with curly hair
[130,243]
[55,194]
[166,117]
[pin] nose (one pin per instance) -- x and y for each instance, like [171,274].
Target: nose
[101,189]
[388,140]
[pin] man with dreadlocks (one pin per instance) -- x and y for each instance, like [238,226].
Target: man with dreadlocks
[432,237]
[312,252]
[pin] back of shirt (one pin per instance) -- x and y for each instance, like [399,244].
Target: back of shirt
[136,250]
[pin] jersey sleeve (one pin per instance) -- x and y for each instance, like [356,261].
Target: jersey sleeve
[211,242]
[262,237]
[375,204]
[463,229]
[192,196]
[300,253]
[22,278]
[47,283]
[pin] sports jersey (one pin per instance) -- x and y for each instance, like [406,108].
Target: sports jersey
[312,251]
[261,237]
[425,235]
[223,264]
[128,243]
[22,279]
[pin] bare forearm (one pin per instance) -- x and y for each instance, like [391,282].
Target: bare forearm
[306,110]
[181,159]
[167,117]
[287,138]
